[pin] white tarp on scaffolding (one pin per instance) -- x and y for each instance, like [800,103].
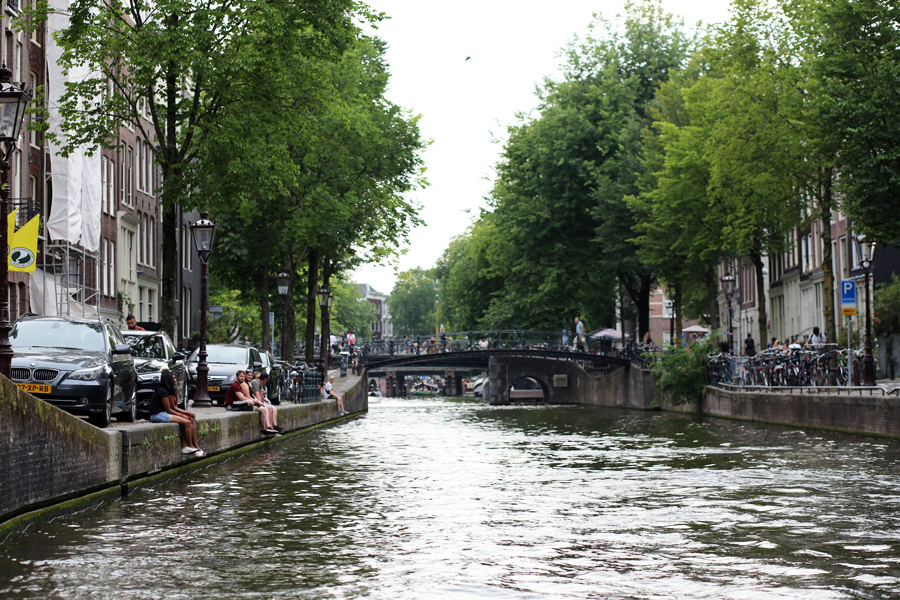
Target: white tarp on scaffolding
[75,213]
[57,295]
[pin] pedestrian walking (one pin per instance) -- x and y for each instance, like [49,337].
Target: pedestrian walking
[580,340]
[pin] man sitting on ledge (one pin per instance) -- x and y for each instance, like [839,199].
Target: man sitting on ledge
[237,400]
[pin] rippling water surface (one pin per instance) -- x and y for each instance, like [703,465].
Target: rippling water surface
[446,498]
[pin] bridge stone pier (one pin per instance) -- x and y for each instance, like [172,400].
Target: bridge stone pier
[561,381]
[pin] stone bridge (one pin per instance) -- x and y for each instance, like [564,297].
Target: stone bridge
[559,373]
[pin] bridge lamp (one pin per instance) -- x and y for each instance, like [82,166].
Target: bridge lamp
[864,249]
[670,312]
[13,99]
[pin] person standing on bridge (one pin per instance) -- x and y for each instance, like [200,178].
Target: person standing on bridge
[580,340]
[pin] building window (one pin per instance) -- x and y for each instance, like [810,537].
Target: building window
[140,237]
[141,304]
[151,242]
[129,182]
[111,268]
[150,293]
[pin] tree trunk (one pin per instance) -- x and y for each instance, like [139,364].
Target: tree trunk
[312,278]
[712,298]
[677,308]
[757,260]
[826,204]
[170,158]
[169,307]
[264,309]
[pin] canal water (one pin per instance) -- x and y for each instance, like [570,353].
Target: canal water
[449,498]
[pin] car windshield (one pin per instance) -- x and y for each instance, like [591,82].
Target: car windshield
[51,333]
[146,346]
[226,355]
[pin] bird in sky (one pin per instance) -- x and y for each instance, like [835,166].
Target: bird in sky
[467,58]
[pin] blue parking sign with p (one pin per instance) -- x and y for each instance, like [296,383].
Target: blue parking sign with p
[848,298]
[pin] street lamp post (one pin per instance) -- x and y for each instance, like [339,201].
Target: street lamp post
[204,232]
[13,99]
[670,312]
[325,300]
[728,289]
[864,249]
[283,281]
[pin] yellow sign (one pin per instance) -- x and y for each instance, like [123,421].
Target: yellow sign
[848,311]
[22,244]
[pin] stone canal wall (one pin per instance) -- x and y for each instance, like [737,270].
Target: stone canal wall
[864,414]
[49,456]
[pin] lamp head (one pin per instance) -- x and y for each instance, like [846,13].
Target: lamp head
[283,281]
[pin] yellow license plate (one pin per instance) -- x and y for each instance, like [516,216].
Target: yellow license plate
[35,388]
[213,388]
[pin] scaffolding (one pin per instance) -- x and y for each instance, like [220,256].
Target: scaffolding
[67,282]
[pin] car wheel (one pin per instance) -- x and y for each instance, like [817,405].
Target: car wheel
[102,419]
[130,416]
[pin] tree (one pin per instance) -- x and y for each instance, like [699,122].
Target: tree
[413,302]
[182,62]
[855,59]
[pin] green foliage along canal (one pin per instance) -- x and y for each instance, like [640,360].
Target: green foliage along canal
[443,498]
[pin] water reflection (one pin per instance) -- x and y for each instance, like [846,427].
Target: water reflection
[430,498]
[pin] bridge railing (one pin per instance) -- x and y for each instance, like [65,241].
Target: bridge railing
[493,339]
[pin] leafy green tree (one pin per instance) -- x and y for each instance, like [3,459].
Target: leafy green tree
[563,226]
[855,59]
[183,62]
[413,302]
[351,311]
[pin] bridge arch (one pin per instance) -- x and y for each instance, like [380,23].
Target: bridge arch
[543,385]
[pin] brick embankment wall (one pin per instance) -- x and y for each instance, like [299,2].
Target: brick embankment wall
[49,456]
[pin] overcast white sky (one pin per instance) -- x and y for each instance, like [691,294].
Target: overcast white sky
[466,104]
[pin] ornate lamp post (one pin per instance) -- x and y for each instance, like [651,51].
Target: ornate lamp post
[728,289]
[670,312]
[864,250]
[283,281]
[204,233]
[13,99]
[325,300]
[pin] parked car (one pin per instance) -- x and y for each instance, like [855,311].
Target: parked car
[274,387]
[153,351]
[83,366]
[224,360]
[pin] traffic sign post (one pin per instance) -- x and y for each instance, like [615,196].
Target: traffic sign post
[848,298]
[848,309]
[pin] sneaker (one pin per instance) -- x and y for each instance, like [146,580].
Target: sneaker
[270,431]
[188,450]
[199,453]
[278,428]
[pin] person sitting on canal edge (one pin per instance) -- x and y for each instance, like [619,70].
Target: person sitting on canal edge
[163,409]
[330,394]
[237,399]
[265,416]
[131,322]
[258,386]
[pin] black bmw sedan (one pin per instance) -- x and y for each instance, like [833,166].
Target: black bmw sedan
[83,366]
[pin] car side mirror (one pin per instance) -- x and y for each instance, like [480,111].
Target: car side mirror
[122,349]
[178,356]
[257,365]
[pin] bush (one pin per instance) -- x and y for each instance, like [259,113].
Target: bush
[886,308]
[681,373]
